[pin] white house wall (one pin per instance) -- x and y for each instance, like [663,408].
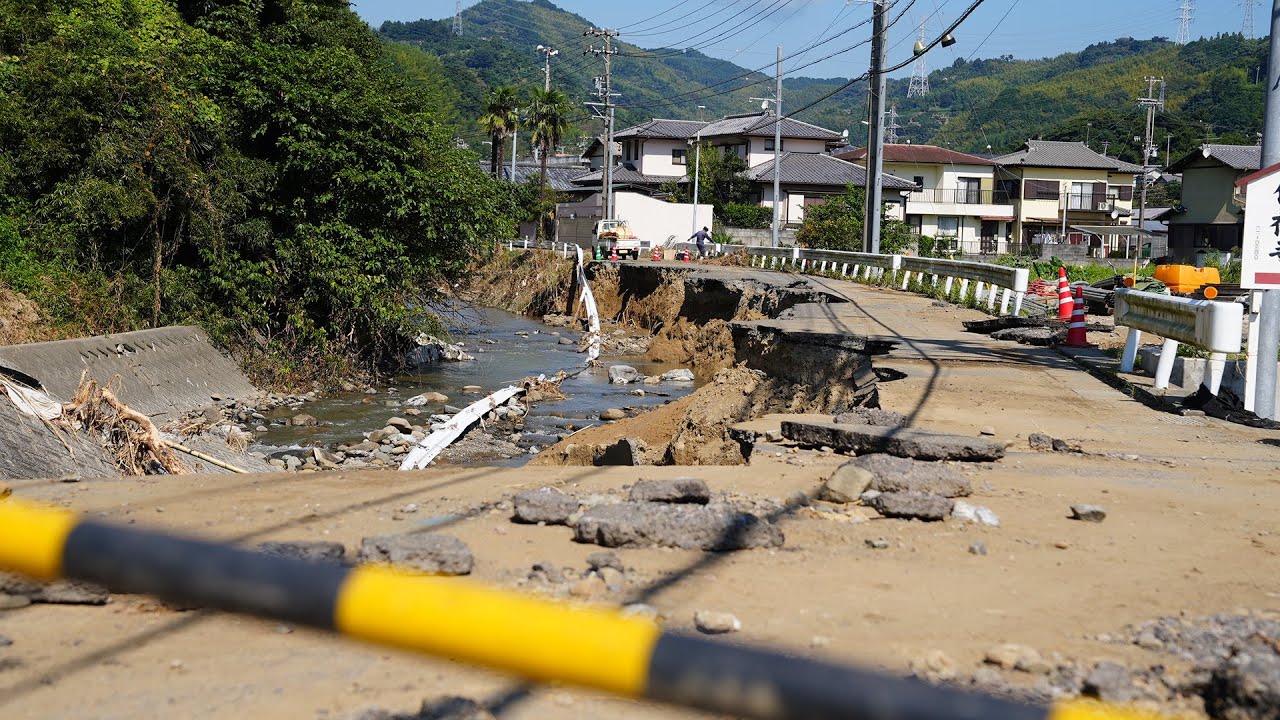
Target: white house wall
[656,157]
[756,153]
[656,220]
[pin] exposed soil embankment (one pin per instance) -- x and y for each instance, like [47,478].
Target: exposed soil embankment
[530,283]
[709,321]
[688,311]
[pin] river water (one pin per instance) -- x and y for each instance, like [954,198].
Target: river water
[503,357]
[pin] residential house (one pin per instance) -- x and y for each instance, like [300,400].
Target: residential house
[658,148]
[1054,183]
[658,151]
[1207,219]
[808,179]
[954,198]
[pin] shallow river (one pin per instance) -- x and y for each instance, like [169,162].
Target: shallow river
[502,358]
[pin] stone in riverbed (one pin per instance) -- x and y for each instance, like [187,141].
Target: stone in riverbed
[427,398]
[303,420]
[400,425]
[680,375]
[623,374]
[903,442]
[544,505]
[438,554]
[912,505]
[677,490]
[613,414]
[691,527]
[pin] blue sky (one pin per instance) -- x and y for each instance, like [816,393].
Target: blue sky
[1022,28]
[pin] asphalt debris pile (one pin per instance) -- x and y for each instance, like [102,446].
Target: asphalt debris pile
[678,513]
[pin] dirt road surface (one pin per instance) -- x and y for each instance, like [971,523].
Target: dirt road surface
[1191,529]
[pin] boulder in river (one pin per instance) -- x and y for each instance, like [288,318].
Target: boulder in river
[431,350]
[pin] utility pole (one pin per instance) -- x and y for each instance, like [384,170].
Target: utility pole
[605,106]
[777,149]
[697,167]
[1264,402]
[875,133]
[548,52]
[457,18]
[1152,103]
[777,145]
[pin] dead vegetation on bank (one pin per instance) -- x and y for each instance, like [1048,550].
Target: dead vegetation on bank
[519,281]
[132,439]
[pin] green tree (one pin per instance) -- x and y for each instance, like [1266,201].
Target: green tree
[267,170]
[499,119]
[835,224]
[721,179]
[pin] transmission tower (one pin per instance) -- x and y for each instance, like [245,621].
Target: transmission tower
[919,86]
[457,18]
[1248,28]
[891,126]
[1184,20]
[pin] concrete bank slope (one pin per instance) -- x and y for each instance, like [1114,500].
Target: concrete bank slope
[162,373]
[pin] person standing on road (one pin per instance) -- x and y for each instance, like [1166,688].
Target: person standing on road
[702,236]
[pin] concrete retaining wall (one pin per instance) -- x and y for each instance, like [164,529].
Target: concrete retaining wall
[163,372]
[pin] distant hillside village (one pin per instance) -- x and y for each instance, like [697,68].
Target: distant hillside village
[1046,198]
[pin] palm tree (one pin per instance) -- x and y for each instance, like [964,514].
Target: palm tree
[548,117]
[549,121]
[499,119]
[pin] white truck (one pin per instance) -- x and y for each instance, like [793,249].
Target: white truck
[611,235]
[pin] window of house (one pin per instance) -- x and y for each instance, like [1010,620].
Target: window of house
[968,190]
[768,144]
[918,180]
[1081,197]
[679,156]
[948,227]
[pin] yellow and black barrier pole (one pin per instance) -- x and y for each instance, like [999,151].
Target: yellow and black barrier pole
[458,619]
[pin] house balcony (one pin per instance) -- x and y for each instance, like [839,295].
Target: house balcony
[960,201]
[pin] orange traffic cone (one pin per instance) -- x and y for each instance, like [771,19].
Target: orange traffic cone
[613,253]
[657,254]
[1065,305]
[1076,330]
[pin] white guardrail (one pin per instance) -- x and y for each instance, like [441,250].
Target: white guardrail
[1209,325]
[989,280]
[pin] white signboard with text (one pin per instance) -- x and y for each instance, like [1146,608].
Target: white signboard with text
[1260,251]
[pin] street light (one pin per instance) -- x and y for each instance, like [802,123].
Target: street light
[548,52]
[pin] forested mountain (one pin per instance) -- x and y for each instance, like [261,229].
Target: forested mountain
[268,169]
[1213,91]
